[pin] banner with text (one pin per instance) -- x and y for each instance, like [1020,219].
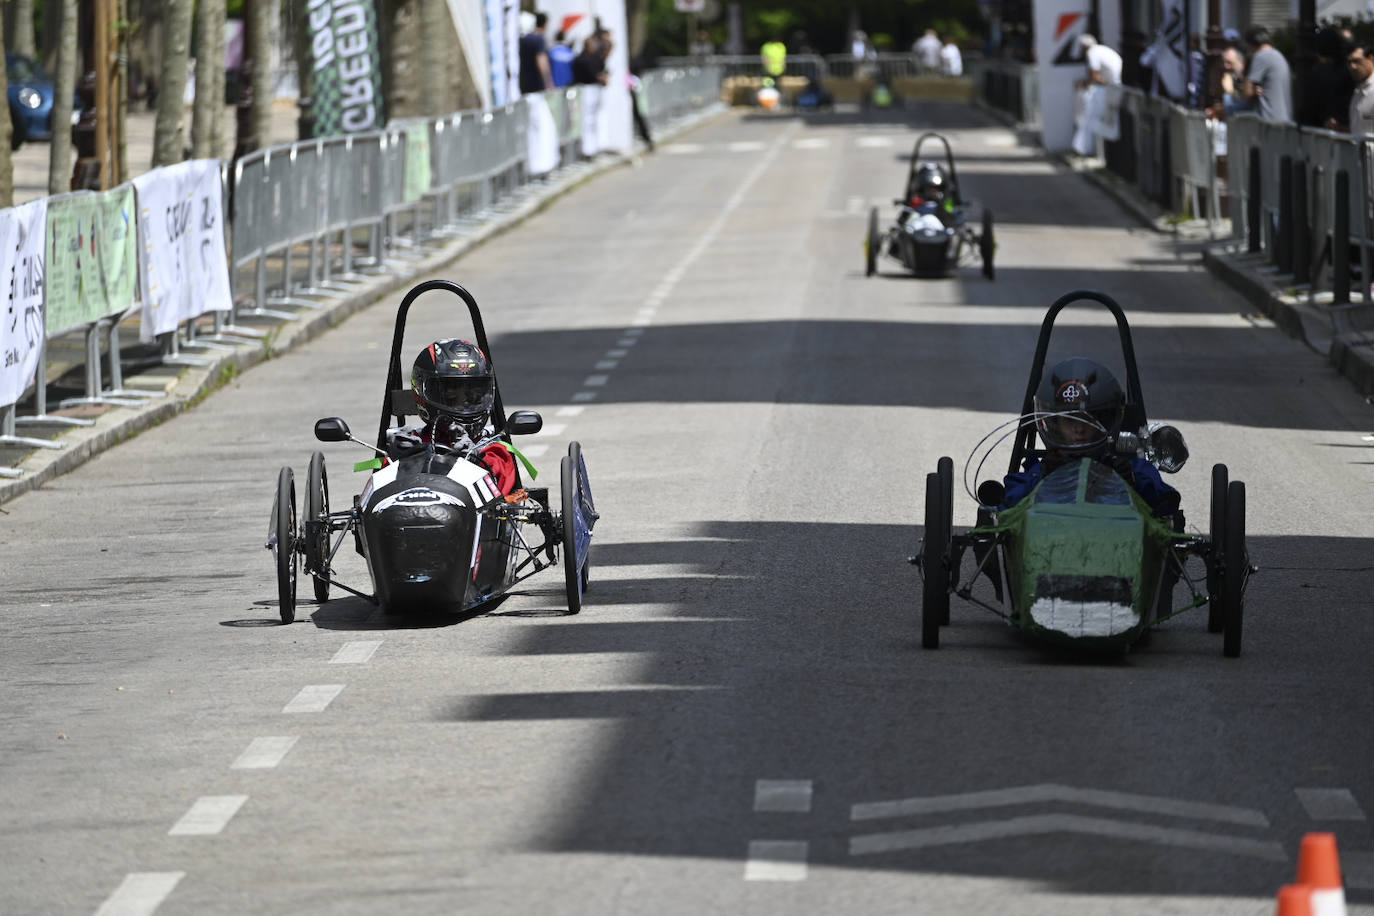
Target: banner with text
[92,258]
[1059,24]
[21,331]
[183,269]
[345,56]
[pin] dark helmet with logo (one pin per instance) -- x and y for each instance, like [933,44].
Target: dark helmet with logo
[931,181]
[1079,407]
[453,385]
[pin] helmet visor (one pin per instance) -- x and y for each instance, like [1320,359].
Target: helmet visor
[464,396]
[1076,430]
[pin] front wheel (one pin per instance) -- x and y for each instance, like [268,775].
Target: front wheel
[987,245]
[316,539]
[575,499]
[284,543]
[1216,618]
[871,244]
[1237,569]
[935,560]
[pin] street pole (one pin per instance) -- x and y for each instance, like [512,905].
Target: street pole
[1216,43]
[100,59]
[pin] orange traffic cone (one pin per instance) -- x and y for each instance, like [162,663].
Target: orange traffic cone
[1295,900]
[1319,865]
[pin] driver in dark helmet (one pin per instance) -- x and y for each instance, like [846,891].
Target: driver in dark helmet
[1079,408]
[930,192]
[454,395]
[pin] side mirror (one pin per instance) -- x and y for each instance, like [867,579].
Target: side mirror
[331,429]
[524,423]
[1168,450]
[991,493]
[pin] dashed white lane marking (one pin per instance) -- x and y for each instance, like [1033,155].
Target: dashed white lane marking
[811,143]
[745,146]
[315,698]
[776,860]
[553,429]
[568,411]
[264,753]
[208,815]
[1040,824]
[633,332]
[678,149]
[1022,795]
[596,381]
[606,364]
[627,341]
[617,354]
[1330,804]
[140,893]
[538,450]
[584,396]
[872,142]
[355,653]
[782,795]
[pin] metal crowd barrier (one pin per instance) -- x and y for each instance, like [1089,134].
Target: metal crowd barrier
[1010,87]
[665,95]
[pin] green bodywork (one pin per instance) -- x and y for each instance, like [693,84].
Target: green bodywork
[1084,557]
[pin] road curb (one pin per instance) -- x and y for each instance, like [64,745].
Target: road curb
[195,384]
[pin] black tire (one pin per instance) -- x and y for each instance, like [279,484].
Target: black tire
[1216,619]
[585,497]
[317,535]
[944,469]
[572,576]
[284,550]
[934,574]
[872,244]
[987,244]
[1237,569]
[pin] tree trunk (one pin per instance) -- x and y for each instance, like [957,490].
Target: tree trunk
[206,110]
[168,136]
[6,160]
[217,100]
[265,21]
[23,29]
[434,29]
[638,13]
[121,101]
[64,87]
[401,61]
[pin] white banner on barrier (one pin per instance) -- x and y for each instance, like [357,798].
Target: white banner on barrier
[1059,24]
[611,113]
[22,242]
[542,137]
[183,267]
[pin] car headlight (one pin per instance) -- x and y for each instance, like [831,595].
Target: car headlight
[30,98]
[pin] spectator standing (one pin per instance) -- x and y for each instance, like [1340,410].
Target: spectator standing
[773,55]
[561,60]
[1326,92]
[927,50]
[1361,115]
[589,72]
[702,46]
[534,58]
[1268,81]
[951,61]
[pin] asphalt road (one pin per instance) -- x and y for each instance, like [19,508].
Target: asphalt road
[742,719]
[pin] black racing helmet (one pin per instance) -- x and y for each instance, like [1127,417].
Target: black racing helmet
[1079,407]
[452,381]
[931,181]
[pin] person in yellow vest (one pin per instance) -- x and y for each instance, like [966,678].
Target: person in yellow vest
[774,55]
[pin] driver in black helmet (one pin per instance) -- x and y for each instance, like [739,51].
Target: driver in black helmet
[454,395]
[931,192]
[1079,408]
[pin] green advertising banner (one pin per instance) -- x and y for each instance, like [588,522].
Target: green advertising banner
[92,258]
[417,162]
[346,59]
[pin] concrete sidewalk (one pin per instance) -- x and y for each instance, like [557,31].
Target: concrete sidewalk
[182,387]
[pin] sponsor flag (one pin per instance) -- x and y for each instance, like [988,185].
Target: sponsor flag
[346,59]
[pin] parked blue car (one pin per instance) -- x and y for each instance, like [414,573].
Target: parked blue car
[31,96]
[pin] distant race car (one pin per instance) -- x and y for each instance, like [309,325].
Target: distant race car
[932,233]
[437,533]
[1082,560]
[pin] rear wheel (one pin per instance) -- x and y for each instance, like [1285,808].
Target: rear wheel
[871,244]
[934,557]
[572,575]
[1216,620]
[284,548]
[1237,569]
[987,245]
[317,526]
[944,469]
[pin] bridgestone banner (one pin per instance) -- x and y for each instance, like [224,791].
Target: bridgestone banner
[92,258]
[184,268]
[347,63]
[21,330]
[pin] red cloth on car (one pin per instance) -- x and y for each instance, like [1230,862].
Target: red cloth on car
[501,463]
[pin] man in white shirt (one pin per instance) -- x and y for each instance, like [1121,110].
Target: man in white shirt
[1104,69]
[1361,64]
[1104,64]
[951,61]
[927,49]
